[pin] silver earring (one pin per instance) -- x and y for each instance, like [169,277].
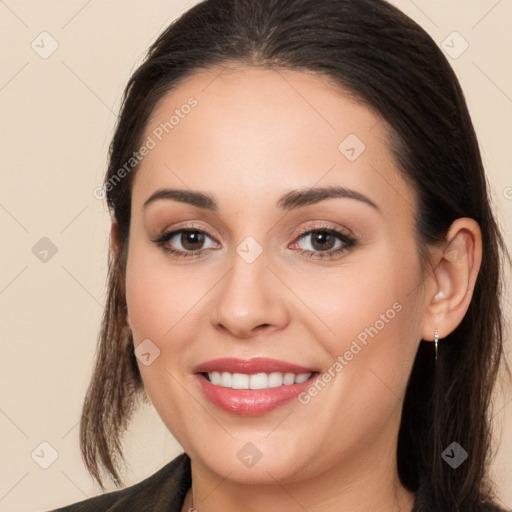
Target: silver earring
[436,339]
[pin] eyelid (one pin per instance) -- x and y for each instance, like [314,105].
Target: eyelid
[303,230]
[323,225]
[170,232]
[343,234]
[187,226]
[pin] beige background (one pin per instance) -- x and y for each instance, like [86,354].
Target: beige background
[57,119]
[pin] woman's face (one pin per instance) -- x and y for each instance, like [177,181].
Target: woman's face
[256,284]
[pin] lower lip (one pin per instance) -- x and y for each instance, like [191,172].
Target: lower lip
[251,402]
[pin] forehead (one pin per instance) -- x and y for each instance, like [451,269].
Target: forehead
[261,131]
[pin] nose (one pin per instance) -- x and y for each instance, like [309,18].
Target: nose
[250,299]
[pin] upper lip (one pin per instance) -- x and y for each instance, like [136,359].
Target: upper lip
[250,366]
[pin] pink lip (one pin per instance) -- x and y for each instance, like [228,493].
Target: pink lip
[251,402]
[255,365]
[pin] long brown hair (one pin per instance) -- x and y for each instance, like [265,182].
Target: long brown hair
[389,63]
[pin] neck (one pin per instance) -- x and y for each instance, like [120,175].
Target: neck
[365,482]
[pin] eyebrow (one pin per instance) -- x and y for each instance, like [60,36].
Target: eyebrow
[289,201]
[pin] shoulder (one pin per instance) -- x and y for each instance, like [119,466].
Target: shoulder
[163,490]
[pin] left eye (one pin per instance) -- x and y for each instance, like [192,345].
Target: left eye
[323,242]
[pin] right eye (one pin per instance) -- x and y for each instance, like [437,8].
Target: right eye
[190,238]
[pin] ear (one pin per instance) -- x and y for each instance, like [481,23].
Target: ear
[452,279]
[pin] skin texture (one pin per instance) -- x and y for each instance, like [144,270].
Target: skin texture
[254,135]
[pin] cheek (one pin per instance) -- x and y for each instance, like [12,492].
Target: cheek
[160,300]
[367,324]
[367,319]
[159,296]
[372,294]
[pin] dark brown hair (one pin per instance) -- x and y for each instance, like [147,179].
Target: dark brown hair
[389,63]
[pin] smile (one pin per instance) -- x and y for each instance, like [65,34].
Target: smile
[256,380]
[252,387]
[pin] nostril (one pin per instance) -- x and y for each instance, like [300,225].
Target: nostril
[261,327]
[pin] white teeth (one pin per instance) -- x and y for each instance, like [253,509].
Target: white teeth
[240,381]
[303,377]
[225,379]
[256,380]
[215,378]
[289,378]
[275,379]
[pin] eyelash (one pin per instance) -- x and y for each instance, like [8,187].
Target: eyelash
[349,242]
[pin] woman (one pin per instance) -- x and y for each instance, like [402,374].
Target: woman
[299,208]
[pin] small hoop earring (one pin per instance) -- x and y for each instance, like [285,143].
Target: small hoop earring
[436,339]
